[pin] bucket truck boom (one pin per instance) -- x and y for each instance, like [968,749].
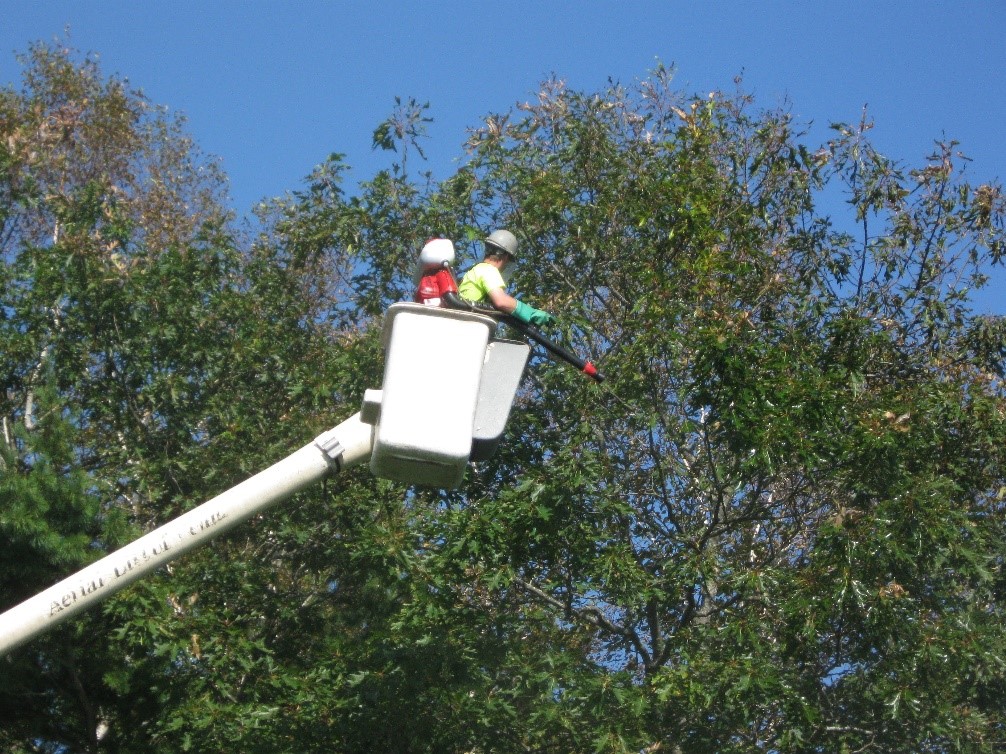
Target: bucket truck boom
[429,353]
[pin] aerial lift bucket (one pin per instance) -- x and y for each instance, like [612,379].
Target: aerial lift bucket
[447,390]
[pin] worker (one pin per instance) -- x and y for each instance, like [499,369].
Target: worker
[484,284]
[435,284]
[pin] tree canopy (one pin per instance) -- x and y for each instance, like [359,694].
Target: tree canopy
[777,526]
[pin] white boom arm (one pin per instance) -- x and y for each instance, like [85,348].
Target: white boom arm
[478,379]
[345,445]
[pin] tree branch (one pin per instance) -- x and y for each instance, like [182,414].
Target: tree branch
[591,615]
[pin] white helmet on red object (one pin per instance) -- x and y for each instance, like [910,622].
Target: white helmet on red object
[437,252]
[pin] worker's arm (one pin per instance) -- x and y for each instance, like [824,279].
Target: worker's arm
[502,300]
[507,304]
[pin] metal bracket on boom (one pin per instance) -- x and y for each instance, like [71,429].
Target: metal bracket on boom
[328,443]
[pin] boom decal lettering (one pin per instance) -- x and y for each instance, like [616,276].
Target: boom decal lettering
[130,562]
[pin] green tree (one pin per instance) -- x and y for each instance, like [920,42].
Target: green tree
[92,179]
[777,526]
[133,332]
[153,363]
[680,559]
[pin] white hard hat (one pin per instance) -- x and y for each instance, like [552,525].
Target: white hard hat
[502,240]
[437,251]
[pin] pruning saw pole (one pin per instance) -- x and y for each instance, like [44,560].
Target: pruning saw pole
[554,348]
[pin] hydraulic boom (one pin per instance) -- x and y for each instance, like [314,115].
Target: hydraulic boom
[345,445]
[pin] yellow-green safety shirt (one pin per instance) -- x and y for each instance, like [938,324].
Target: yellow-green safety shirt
[479,280]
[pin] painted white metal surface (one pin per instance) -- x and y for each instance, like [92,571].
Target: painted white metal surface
[345,445]
[433,364]
[501,376]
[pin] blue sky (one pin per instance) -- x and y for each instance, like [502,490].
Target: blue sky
[273,87]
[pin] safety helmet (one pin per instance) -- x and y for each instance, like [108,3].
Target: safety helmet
[502,240]
[437,252]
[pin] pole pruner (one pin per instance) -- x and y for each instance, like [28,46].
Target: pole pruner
[554,348]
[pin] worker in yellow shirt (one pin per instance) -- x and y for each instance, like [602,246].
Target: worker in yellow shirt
[484,284]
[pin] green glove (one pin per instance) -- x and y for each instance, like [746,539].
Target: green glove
[531,316]
[541,318]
